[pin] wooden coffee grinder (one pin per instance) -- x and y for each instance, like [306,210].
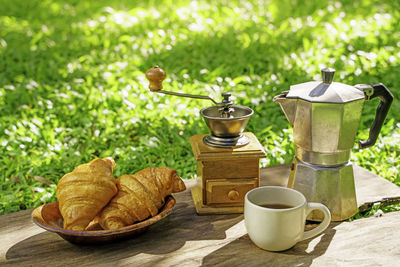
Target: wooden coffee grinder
[227,159]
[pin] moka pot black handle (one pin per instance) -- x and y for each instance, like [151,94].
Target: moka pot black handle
[386,99]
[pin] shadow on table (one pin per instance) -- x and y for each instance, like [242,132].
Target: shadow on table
[166,236]
[243,252]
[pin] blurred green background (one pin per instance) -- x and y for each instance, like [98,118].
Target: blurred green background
[72,85]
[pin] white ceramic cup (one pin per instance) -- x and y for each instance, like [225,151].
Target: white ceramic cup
[280,229]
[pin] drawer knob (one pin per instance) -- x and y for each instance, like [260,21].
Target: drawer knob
[233,195]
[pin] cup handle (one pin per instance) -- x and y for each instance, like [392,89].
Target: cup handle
[323,225]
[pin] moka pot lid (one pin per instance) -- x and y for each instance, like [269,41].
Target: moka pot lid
[325,91]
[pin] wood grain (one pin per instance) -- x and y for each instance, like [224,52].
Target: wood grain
[203,209]
[222,190]
[49,218]
[226,174]
[230,168]
[186,239]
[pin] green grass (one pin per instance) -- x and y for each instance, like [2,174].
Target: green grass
[72,83]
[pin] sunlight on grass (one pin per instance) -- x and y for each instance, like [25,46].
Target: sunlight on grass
[72,84]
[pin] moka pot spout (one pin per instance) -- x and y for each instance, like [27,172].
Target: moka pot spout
[288,105]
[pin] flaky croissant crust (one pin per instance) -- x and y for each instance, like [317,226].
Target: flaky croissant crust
[140,196]
[86,190]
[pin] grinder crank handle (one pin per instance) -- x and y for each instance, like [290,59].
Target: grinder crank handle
[386,98]
[156,75]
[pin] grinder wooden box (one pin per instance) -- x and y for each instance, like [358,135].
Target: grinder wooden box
[225,175]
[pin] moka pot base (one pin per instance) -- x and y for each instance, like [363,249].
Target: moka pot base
[225,175]
[332,186]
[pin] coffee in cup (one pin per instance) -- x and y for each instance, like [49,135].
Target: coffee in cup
[275,217]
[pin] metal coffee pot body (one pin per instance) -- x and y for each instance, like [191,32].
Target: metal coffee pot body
[325,117]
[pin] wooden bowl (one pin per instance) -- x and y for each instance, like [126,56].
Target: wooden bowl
[49,218]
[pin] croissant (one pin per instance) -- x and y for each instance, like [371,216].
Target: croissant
[140,196]
[86,190]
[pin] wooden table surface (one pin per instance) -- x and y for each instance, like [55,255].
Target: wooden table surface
[186,239]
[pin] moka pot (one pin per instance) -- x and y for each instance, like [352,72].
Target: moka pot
[325,117]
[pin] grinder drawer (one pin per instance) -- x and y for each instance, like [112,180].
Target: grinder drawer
[228,191]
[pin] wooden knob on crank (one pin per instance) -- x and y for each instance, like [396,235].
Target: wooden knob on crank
[155,75]
[233,195]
